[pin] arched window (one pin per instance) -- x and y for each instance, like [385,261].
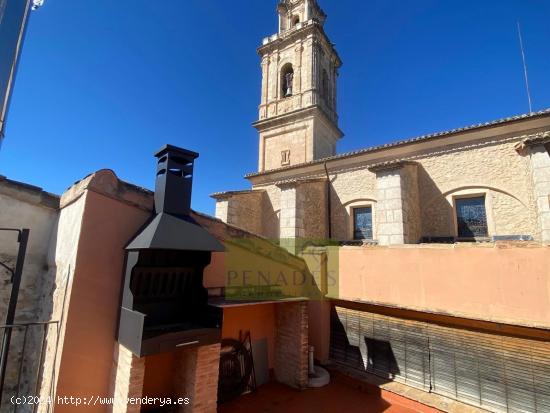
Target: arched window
[295,21]
[287,80]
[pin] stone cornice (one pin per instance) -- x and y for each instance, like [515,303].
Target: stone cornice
[293,182]
[298,114]
[220,196]
[536,139]
[390,165]
[290,36]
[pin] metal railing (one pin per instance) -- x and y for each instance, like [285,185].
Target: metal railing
[24,368]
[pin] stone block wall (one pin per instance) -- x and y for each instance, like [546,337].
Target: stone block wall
[291,217]
[493,168]
[540,164]
[291,344]
[303,212]
[315,215]
[397,209]
[242,209]
[412,224]
[350,188]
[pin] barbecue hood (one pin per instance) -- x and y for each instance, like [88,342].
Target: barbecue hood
[164,304]
[172,227]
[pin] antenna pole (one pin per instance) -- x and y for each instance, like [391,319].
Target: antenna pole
[525,69]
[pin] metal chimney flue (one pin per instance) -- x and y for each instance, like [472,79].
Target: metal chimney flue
[164,302]
[174,182]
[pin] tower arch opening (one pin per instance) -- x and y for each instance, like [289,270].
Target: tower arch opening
[287,80]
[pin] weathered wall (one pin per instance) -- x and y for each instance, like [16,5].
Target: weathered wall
[64,253]
[315,209]
[244,210]
[98,217]
[503,283]
[24,206]
[493,168]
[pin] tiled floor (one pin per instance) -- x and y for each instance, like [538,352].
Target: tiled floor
[338,397]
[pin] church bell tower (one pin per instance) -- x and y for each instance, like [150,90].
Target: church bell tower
[298,121]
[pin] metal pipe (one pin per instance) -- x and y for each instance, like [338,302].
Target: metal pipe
[329,203]
[10,315]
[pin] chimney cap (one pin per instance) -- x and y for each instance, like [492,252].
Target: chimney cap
[175,150]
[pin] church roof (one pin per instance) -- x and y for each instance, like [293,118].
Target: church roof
[436,135]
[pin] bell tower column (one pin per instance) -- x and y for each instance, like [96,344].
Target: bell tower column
[298,122]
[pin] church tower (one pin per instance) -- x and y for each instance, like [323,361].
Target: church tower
[298,121]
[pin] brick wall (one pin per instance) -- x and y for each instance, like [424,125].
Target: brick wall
[196,377]
[291,344]
[129,372]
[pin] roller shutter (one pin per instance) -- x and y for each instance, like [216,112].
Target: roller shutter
[497,373]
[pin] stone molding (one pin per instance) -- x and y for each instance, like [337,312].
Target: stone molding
[390,165]
[528,141]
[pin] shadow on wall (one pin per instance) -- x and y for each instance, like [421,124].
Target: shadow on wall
[359,352]
[436,214]
[271,227]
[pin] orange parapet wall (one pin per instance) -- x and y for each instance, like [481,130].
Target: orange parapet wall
[502,283]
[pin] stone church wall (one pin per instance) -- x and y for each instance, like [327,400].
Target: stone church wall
[493,169]
[350,189]
[243,209]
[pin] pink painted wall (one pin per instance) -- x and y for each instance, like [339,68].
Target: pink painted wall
[505,284]
[94,302]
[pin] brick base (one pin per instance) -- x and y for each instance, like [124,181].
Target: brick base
[129,372]
[291,344]
[196,377]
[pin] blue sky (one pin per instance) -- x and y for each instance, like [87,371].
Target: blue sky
[104,83]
